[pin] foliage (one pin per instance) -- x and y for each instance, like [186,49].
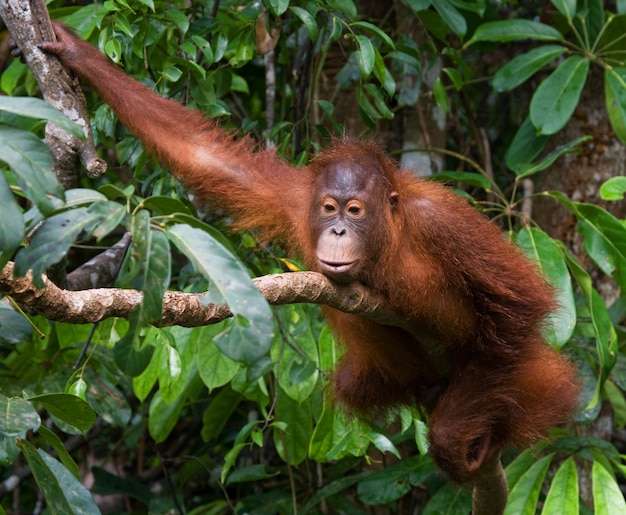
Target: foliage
[235,414]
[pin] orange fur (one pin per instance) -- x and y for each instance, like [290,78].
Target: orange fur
[475,356]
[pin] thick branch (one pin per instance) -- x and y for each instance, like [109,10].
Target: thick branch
[29,24]
[186,309]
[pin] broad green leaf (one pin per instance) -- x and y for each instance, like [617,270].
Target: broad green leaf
[233,282]
[453,18]
[179,18]
[525,147]
[69,408]
[514,30]
[546,253]
[164,416]
[615,396]
[606,337]
[278,6]
[613,189]
[330,490]
[172,73]
[215,368]
[322,438]
[17,416]
[524,495]
[298,371]
[11,223]
[218,412]
[379,101]
[471,178]
[563,494]
[55,442]
[450,500]
[46,479]
[527,169]
[375,31]
[148,3]
[30,159]
[392,482]
[605,237]
[557,96]
[53,239]
[516,469]
[382,443]
[344,6]
[607,497]
[307,20]
[293,443]
[615,99]
[441,96]
[38,109]
[566,7]
[365,55]
[522,67]
[130,356]
[72,490]
[14,327]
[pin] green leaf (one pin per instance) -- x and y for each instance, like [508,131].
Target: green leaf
[14,327]
[30,159]
[450,500]
[566,7]
[453,18]
[555,99]
[172,73]
[514,30]
[298,370]
[46,480]
[233,282]
[53,239]
[293,443]
[613,189]
[563,494]
[69,408]
[391,483]
[365,55]
[546,253]
[471,178]
[524,495]
[607,497]
[55,442]
[179,18]
[615,396]
[344,6]
[17,416]
[524,148]
[527,169]
[522,67]
[218,412]
[307,20]
[322,438]
[606,337]
[375,31]
[129,355]
[216,369]
[615,99]
[11,223]
[38,109]
[441,96]
[70,489]
[164,416]
[278,6]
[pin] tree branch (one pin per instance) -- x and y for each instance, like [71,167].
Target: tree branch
[29,24]
[187,309]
